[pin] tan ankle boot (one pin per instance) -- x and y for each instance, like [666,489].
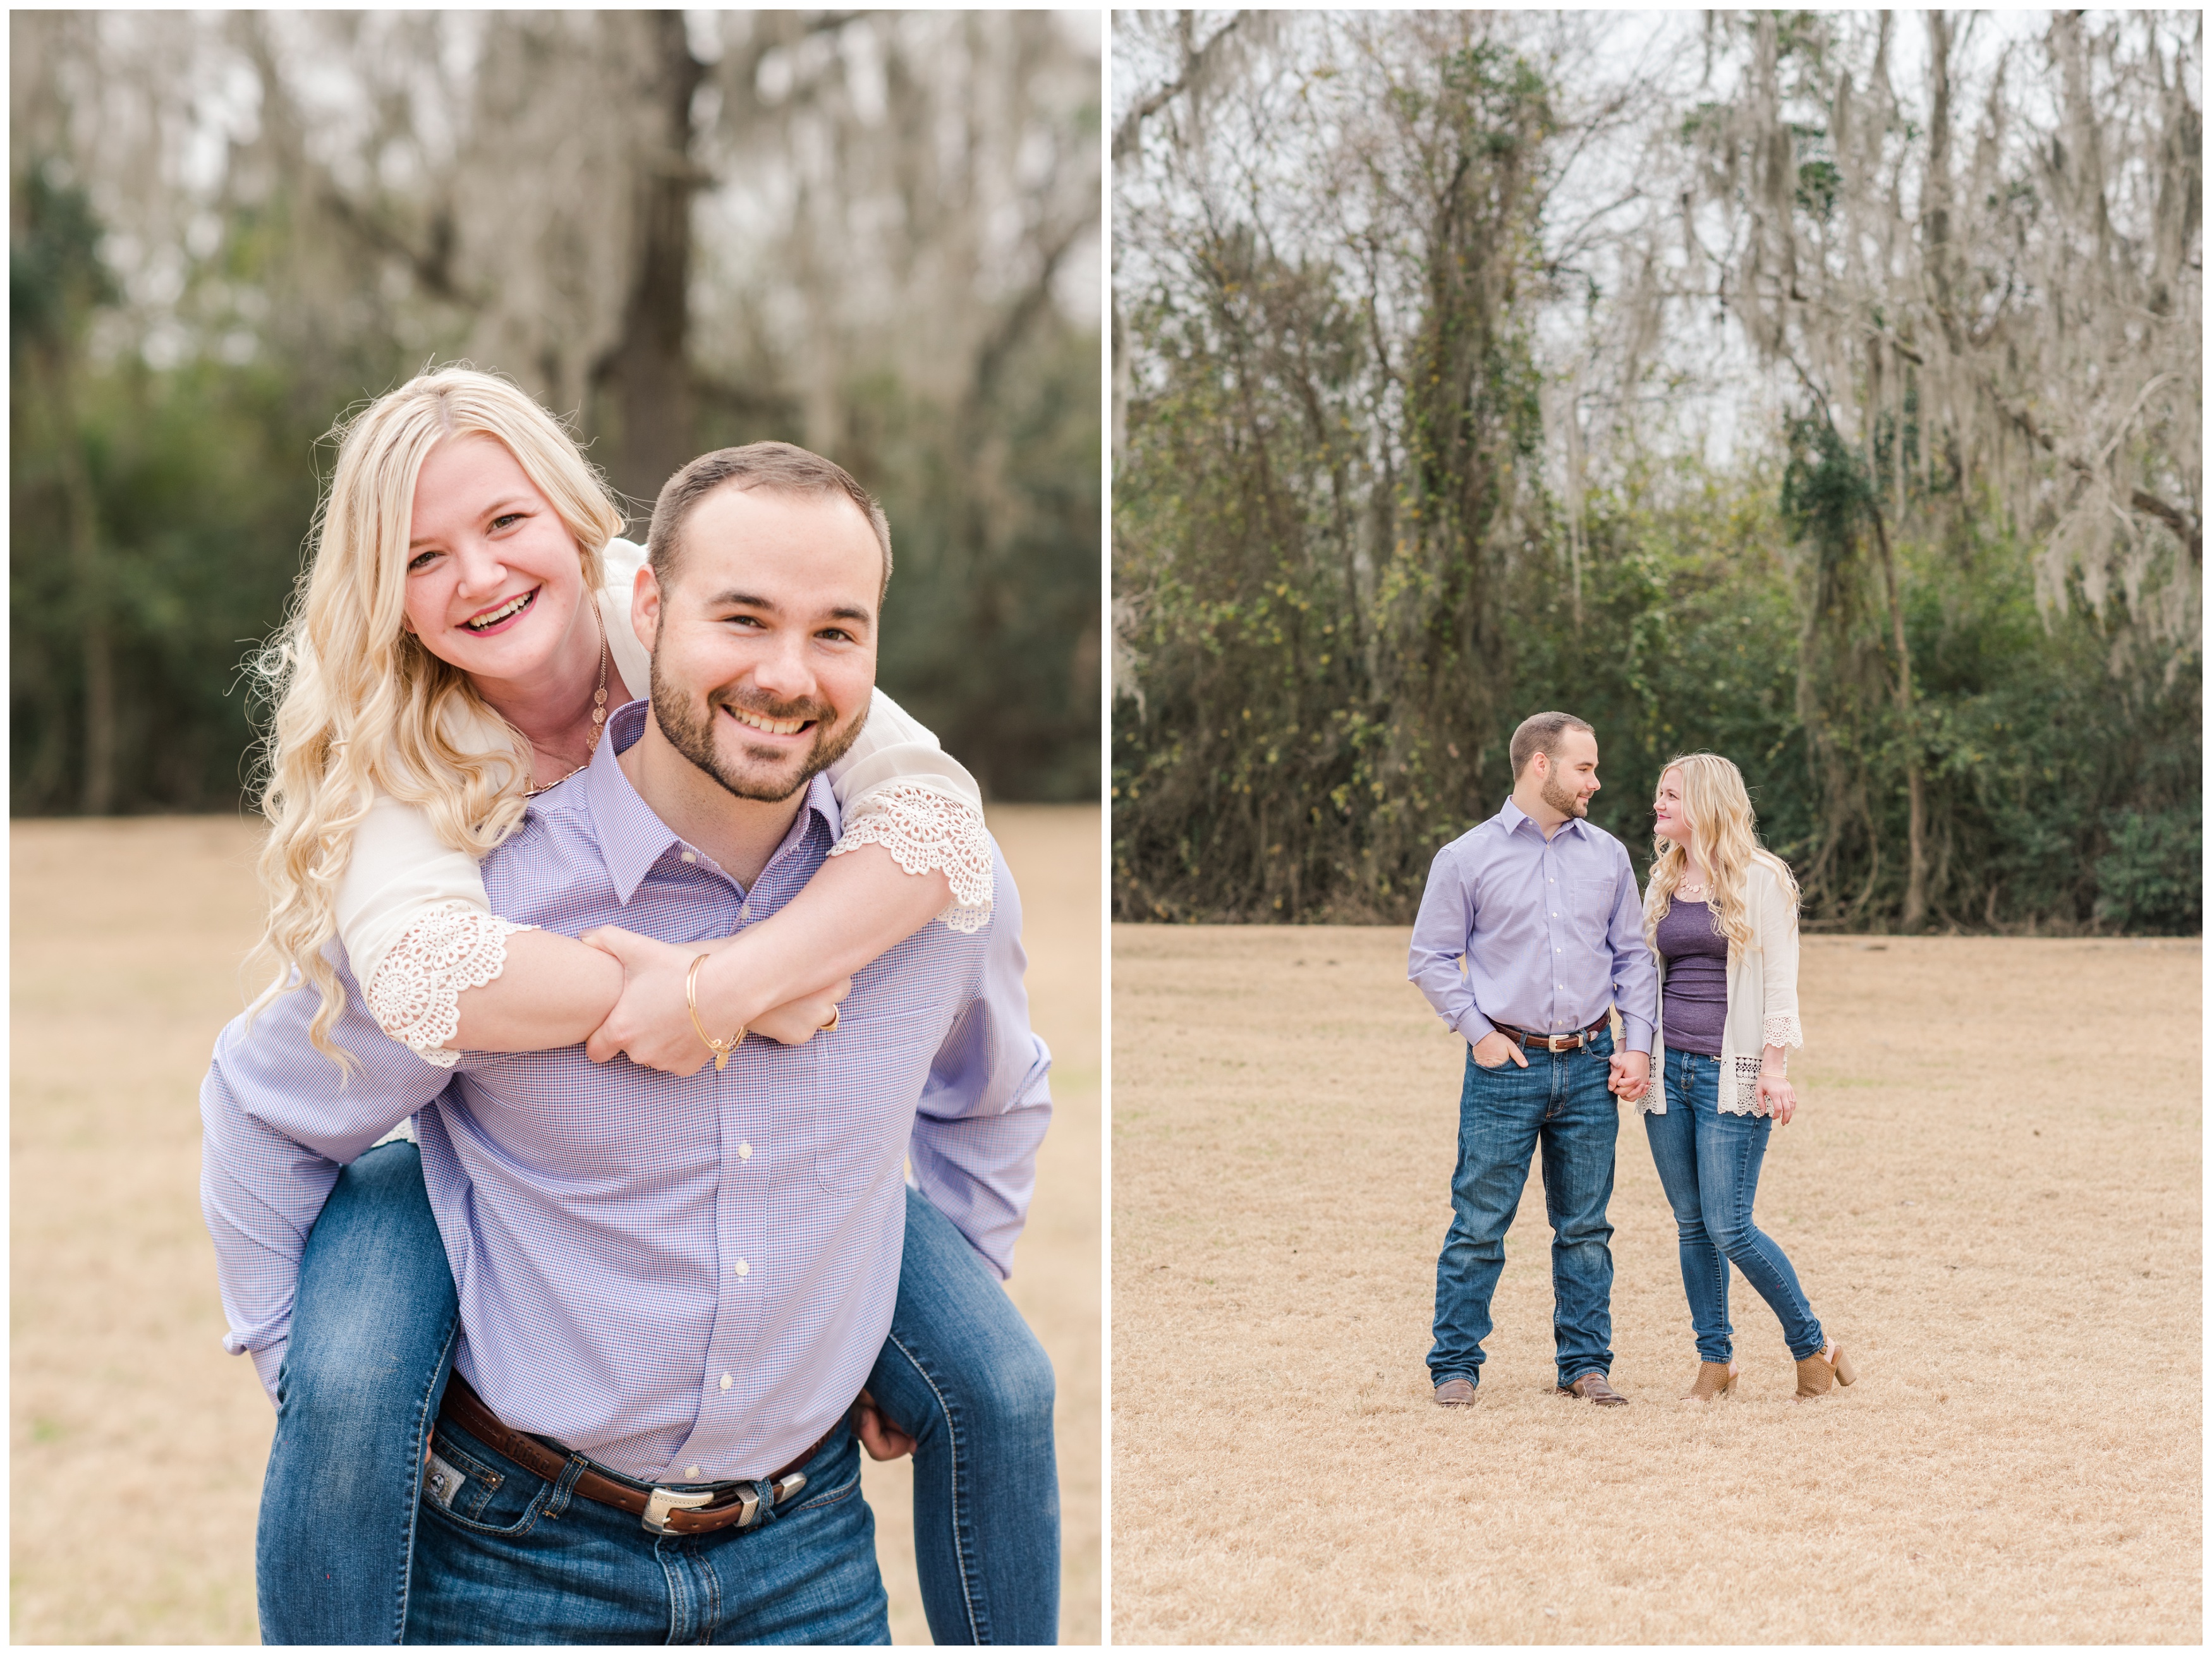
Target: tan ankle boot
[1817,1375]
[1714,1379]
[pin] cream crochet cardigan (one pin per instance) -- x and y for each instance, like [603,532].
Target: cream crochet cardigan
[1762,999]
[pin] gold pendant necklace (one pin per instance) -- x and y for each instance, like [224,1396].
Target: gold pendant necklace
[598,707]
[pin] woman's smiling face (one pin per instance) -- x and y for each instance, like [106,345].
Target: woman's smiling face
[1668,817]
[494,580]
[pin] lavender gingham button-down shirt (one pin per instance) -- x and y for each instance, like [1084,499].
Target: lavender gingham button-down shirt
[662,1274]
[1551,929]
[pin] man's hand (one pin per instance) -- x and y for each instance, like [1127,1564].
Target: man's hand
[1630,1074]
[883,1439]
[1779,1097]
[1491,1051]
[651,1021]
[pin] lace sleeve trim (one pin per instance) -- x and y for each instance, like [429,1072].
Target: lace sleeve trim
[1740,1091]
[403,1133]
[923,829]
[415,996]
[1782,1031]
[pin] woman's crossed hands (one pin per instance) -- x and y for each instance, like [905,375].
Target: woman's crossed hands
[652,1020]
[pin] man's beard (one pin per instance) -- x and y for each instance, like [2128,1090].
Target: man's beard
[1566,800]
[694,737]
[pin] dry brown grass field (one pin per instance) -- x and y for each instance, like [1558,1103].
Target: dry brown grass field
[137,1445]
[1991,1192]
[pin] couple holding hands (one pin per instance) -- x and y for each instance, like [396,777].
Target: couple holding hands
[1542,909]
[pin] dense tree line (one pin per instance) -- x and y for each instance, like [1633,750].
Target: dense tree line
[1425,327]
[868,233]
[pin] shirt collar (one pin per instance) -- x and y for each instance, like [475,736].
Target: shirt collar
[1513,815]
[632,838]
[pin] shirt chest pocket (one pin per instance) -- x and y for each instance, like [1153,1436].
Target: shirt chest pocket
[1590,901]
[868,1073]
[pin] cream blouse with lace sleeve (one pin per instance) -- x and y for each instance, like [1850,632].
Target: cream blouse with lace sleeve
[418,930]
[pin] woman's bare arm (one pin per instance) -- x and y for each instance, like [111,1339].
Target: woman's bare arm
[546,991]
[856,908]
[556,990]
[553,992]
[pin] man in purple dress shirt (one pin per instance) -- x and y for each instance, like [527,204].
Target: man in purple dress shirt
[1541,909]
[681,1284]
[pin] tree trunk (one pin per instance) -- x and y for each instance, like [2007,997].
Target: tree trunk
[1935,200]
[95,641]
[645,381]
[98,680]
[1118,336]
[1915,863]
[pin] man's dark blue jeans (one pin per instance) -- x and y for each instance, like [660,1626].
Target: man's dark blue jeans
[518,1560]
[1559,1103]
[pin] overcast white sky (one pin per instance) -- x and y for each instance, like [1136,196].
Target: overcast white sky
[1665,52]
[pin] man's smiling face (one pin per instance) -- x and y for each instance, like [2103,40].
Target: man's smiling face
[763,638]
[1570,778]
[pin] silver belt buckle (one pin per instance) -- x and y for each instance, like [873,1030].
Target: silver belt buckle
[663,1502]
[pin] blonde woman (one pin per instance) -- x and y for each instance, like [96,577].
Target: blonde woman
[1721,916]
[460,637]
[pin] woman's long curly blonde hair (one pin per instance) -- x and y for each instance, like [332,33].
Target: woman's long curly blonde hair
[1723,826]
[361,705]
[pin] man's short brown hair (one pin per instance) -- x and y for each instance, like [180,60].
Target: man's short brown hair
[781,466]
[1540,732]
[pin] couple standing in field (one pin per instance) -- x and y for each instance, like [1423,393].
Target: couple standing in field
[1542,907]
[589,1354]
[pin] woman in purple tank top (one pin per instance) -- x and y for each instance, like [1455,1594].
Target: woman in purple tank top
[1721,914]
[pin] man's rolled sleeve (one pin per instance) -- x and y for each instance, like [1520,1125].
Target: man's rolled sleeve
[1635,976]
[279,1121]
[986,1105]
[1441,929]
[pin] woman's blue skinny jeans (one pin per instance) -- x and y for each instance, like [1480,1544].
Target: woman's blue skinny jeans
[371,1342]
[1708,1166]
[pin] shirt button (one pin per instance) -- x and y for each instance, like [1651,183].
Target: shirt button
[726,1382]
[691,1471]
[744,911]
[691,856]
[745,1152]
[742,1268]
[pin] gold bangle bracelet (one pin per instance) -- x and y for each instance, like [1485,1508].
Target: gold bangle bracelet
[721,1049]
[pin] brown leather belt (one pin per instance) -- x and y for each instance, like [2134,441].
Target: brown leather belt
[1574,1042]
[664,1511]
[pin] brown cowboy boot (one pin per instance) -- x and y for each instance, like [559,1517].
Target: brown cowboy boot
[1818,1374]
[1714,1379]
[1591,1387]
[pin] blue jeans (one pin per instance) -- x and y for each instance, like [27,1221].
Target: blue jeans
[371,1342]
[1709,1166]
[518,1560]
[1559,1103]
